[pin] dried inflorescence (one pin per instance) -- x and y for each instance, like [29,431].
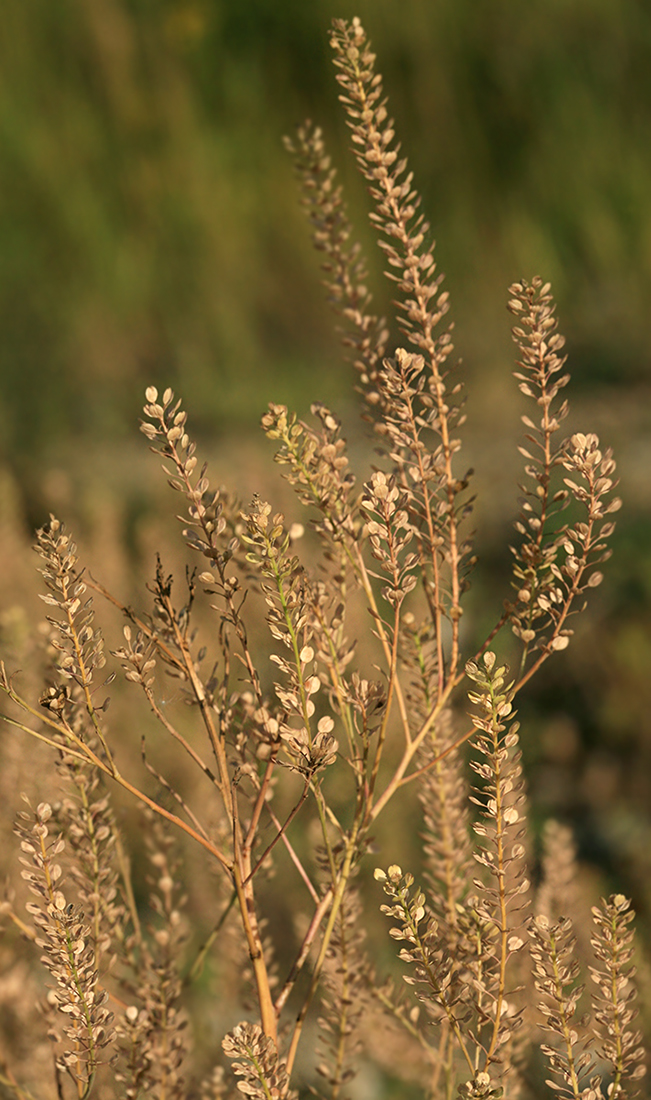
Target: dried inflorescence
[262,1075]
[152,1030]
[435,972]
[299,723]
[555,559]
[396,202]
[344,266]
[85,817]
[475,928]
[69,951]
[316,465]
[71,699]
[346,997]
[447,842]
[618,1045]
[81,646]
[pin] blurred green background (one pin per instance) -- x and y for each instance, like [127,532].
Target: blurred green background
[150,233]
[148,218]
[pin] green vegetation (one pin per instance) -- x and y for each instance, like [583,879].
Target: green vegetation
[149,229]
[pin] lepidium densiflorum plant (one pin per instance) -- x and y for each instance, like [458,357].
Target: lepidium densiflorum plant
[320,670]
[469,990]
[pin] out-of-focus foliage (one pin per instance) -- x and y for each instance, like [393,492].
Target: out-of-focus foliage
[148,218]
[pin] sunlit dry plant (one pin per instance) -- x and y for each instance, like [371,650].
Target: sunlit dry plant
[294,736]
[78,1017]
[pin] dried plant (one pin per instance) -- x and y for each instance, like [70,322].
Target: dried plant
[69,953]
[293,740]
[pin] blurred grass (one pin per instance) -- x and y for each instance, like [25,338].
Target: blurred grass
[151,234]
[148,213]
